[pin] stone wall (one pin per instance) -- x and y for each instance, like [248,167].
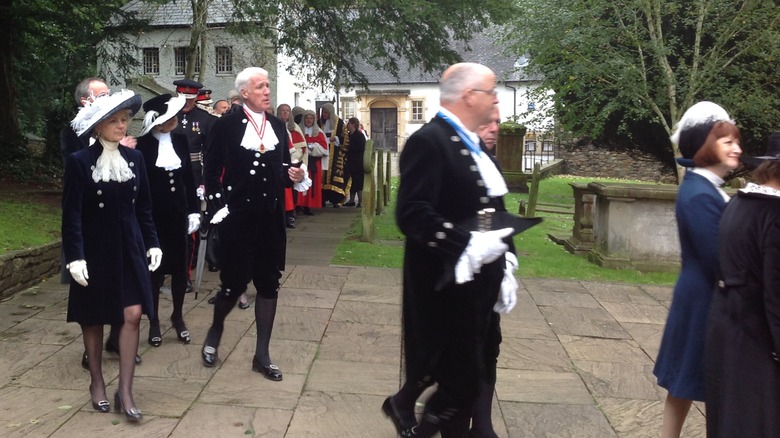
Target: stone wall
[24,268]
[588,160]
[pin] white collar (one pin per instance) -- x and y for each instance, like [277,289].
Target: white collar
[763,190]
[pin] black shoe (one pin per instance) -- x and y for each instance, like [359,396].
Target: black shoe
[291,222]
[349,204]
[189,287]
[336,206]
[132,414]
[358,205]
[181,330]
[391,411]
[213,268]
[243,306]
[307,211]
[209,355]
[103,406]
[155,337]
[85,361]
[270,372]
[212,300]
[111,348]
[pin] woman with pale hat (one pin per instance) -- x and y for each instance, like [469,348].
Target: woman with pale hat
[743,333]
[709,143]
[175,206]
[110,241]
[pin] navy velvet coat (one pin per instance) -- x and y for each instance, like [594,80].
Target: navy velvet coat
[445,326]
[680,364]
[173,199]
[110,226]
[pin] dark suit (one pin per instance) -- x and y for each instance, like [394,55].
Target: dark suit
[253,236]
[450,333]
[108,224]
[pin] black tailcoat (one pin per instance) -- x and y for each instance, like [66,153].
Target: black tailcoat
[252,185]
[173,199]
[108,224]
[742,378]
[447,330]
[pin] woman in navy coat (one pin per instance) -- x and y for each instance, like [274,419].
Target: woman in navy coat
[107,228]
[743,336]
[709,144]
[174,205]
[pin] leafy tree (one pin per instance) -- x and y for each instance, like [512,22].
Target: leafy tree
[46,48]
[331,39]
[624,71]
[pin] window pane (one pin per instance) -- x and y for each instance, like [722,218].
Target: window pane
[530,146]
[179,60]
[151,61]
[417,111]
[224,60]
[348,108]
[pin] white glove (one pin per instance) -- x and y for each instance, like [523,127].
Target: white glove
[155,258]
[336,141]
[507,298]
[194,222]
[78,270]
[483,248]
[310,145]
[200,192]
[220,215]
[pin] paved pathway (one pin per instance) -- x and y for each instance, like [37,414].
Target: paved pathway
[576,360]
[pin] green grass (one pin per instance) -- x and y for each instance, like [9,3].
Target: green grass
[538,256]
[24,224]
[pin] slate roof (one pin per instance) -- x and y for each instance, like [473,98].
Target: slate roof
[483,48]
[178,13]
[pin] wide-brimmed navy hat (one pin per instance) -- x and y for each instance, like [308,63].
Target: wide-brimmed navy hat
[772,152]
[103,107]
[160,109]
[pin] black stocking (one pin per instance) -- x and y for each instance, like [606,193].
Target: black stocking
[482,424]
[265,311]
[93,344]
[128,349]
[222,308]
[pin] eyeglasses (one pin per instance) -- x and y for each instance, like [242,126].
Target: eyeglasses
[493,91]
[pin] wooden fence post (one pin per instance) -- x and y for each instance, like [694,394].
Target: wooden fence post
[380,181]
[368,211]
[533,193]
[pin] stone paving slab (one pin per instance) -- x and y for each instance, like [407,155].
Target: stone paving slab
[576,359]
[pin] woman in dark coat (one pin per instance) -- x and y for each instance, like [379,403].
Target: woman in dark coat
[709,143]
[174,205]
[357,145]
[743,336]
[107,228]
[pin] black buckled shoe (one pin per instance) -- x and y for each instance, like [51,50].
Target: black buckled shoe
[270,372]
[209,355]
[404,429]
[85,361]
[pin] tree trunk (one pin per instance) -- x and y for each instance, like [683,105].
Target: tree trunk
[197,38]
[10,134]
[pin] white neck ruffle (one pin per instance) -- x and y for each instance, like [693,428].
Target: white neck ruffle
[166,155]
[111,165]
